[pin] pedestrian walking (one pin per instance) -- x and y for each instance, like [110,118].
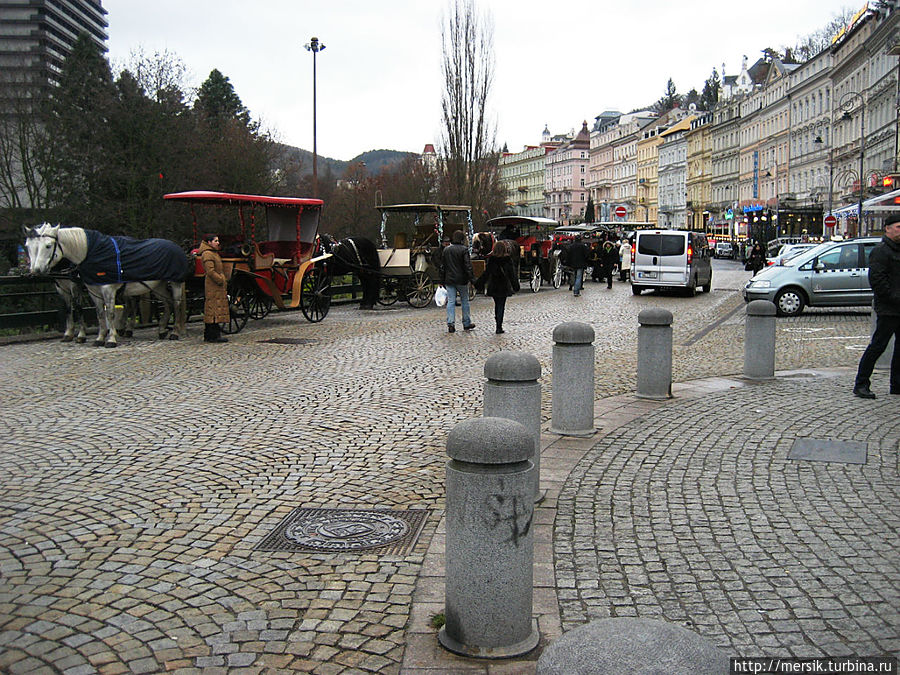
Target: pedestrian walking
[884,278]
[456,274]
[215,304]
[576,257]
[595,261]
[499,281]
[756,260]
[609,256]
[624,259]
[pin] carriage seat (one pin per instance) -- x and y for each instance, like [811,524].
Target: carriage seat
[262,261]
[285,252]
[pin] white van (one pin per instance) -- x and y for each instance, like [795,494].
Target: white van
[670,259]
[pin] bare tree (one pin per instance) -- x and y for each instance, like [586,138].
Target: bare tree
[24,148]
[810,45]
[468,136]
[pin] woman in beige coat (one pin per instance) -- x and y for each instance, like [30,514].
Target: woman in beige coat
[215,308]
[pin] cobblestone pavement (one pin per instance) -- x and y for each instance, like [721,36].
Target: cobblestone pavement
[135,482]
[696,515]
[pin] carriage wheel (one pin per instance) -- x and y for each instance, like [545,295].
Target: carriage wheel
[535,282]
[557,275]
[420,290]
[260,305]
[315,294]
[389,292]
[239,306]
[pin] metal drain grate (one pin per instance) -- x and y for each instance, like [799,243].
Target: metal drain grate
[815,450]
[346,530]
[290,341]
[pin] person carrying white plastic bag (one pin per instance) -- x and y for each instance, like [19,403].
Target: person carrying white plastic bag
[456,274]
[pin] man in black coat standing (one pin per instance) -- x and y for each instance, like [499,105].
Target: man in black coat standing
[576,256]
[884,278]
[456,273]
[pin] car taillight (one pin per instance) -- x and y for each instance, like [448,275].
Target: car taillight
[690,255]
[632,249]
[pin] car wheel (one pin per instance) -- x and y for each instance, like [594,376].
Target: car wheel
[789,302]
[691,288]
[636,290]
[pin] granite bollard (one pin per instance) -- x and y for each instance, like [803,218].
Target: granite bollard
[634,646]
[490,542]
[759,341]
[654,363]
[573,379]
[512,391]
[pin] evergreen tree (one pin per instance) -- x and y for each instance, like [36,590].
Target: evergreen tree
[218,101]
[710,95]
[691,98]
[78,129]
[589,211]
[669,100]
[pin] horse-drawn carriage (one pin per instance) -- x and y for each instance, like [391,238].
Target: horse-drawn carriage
[538,258]
[411,243]
[273,260]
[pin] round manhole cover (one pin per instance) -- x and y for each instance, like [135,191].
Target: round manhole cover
[346,530]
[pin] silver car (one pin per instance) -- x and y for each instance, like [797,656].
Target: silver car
[833,274]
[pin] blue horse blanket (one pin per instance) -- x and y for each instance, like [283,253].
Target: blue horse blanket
[112,260]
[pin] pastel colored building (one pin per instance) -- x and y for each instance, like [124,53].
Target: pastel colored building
[673,175]
[565,179]
[522,177]
[699,172]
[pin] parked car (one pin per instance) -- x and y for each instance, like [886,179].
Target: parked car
[724,249]
[833,274]
[787,252]
[670,259]
[775,245]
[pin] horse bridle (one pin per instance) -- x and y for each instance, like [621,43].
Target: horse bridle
[56,245]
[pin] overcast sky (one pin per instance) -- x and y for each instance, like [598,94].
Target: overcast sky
[379,83]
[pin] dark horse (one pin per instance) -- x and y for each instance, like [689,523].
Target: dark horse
[359,256]
[484,242]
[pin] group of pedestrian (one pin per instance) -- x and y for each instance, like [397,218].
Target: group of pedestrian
[499,280]
[604,258]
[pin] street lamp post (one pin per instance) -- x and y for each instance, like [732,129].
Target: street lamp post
[818,141]
[315,47]
[846,105]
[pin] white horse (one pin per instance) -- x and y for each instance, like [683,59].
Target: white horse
[108,264]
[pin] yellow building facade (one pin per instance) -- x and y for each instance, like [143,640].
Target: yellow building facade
[699,174]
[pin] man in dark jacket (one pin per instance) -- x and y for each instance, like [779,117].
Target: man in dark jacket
[456,273]
[884,278]
[577,255]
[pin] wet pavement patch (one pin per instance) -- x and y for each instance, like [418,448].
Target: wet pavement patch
[815,450]
[381,531]
[290,341]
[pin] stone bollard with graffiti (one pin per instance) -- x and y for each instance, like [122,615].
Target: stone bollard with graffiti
[490,544]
